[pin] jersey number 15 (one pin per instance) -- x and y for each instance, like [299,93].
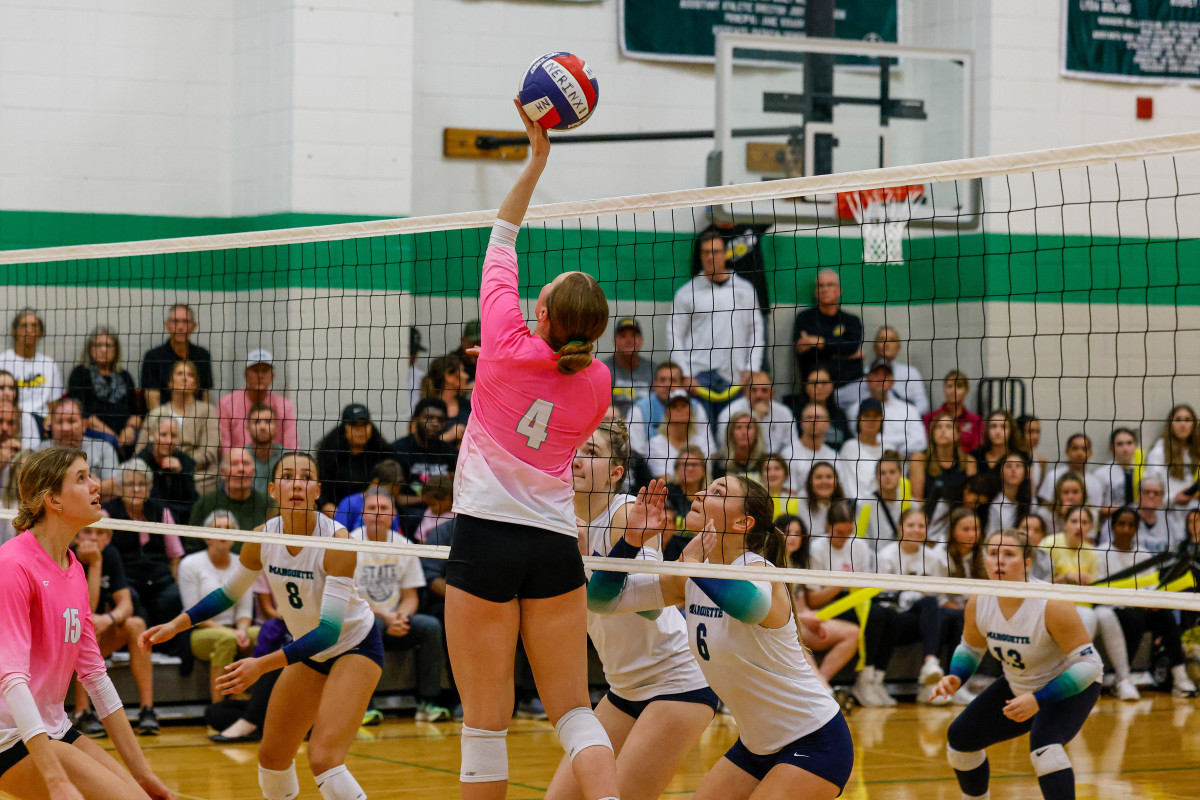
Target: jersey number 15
[533,425]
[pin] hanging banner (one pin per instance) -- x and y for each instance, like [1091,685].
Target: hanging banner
[1134,41]
[685,30]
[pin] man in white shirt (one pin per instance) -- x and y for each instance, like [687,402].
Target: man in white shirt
[903,430]
[716,333]
[775,420]
[909,385]
[39,381]
[809,447]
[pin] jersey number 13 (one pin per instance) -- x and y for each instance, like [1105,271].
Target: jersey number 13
[533,425]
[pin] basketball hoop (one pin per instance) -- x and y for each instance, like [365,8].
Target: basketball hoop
[882,214]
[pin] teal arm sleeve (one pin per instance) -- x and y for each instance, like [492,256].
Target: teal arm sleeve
[605,587]
[965,661]
[218,600]
[745,601]
[1084,669]
[334,604]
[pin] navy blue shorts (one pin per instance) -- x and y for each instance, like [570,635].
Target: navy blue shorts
[15,754]
[634,708]
[371,646]
[827,753]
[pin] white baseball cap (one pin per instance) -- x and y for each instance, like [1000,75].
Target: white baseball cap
[260,357]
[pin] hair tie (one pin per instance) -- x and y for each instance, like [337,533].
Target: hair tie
[559,354]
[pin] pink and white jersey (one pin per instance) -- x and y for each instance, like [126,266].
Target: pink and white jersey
[527,418]
[46,632]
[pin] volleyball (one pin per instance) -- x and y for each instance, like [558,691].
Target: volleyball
[559,91]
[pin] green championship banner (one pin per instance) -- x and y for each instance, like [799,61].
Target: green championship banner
[685,30]
[1135,41]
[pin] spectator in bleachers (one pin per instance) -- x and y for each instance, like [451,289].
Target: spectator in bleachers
[632,373]
[39,380]
[716,332]
[821,492]
[235,493]
[825,335]
[1031,436]
[199,436]
[348,454]
[809,446]
[964,551]
[1014,501]
[151,561]
[956,386]
[116,625]
[818,389]
[742,450]
[859,456]
[10,449]
[1175,458]
[678,429]
[879,512]
[776,477]
[387,474]
[29,429]
[939,474]
[260,426]
[390,584]
[689,477]
[1001,436]
[447,380]
[67,427]
[1117,480]
[415,373]
[1154,534]
[910,384]
[159,362]
[776,421]
[1036,528]
[902,430]
[1071,550]
[438,496]
[229,635]
[468,346]
[423,454]
[1070,490]
[107,392]
[648,412]
[234,408]
[173,469]
[434,603]
[1078,461]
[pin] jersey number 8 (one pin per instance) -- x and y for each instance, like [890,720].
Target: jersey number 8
[533,425]
[293,593]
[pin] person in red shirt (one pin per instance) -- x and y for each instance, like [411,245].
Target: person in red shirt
[957,386]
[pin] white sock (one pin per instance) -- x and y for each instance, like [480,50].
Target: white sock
[339,784]
[278,784]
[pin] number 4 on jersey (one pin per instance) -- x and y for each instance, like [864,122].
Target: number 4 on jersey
[533,425]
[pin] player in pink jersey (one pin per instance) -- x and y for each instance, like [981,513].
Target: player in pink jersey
[514,565]
[46,634]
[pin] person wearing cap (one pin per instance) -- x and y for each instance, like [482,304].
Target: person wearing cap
[347,455]
[910,384]
[860,456]
[468,347]
[903,430]
[647,413]
[677,430]
[631,374]
[970,425]
[234,407]
[776,420]
[826,335]
[159,362]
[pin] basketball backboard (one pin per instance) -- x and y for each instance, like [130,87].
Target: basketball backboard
[790,107]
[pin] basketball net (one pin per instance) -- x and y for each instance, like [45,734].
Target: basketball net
[882,214]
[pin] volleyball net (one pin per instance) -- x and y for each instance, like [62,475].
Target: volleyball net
[1058,283]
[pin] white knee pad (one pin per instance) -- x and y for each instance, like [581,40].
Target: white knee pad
[484,756]
[578,729]
[278,784]
[339,784]
[1050,758]
[965,762]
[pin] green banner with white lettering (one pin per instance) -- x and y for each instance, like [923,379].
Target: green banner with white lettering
[1135,41]
[685,30]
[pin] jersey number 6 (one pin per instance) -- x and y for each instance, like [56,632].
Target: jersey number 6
[533,425]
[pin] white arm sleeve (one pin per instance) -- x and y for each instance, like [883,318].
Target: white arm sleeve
[104,695]
[642,592]
[504,234]
[23,707]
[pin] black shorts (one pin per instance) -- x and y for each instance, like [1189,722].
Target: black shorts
[634,708]
[15,754]
[827,753]
[502,561]
[371,646]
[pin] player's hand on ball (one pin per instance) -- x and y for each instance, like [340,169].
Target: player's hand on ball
[946,687]
[240,676]
[1021,707]
[539,140]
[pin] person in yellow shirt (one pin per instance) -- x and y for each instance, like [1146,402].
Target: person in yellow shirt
[1071,551]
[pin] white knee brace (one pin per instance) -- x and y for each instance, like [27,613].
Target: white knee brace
[484,756]
[278,784]
[965,762]
[1050,758]
[578,729]
[339,784]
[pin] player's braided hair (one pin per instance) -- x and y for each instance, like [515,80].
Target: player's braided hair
[578,316]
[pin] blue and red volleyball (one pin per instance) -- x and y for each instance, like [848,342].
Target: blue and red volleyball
[559,91]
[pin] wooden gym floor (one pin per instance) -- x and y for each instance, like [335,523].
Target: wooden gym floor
[1148,750]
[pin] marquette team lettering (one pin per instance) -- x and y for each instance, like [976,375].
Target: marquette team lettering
[705,611]
[302,574]
[1005,637]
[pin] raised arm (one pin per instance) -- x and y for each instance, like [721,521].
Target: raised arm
[513,209]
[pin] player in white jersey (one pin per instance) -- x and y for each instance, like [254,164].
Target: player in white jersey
[793,741]
[658,699]
[1051,677]
[331,669]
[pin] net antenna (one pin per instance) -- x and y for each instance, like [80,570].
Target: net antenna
[882,215]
